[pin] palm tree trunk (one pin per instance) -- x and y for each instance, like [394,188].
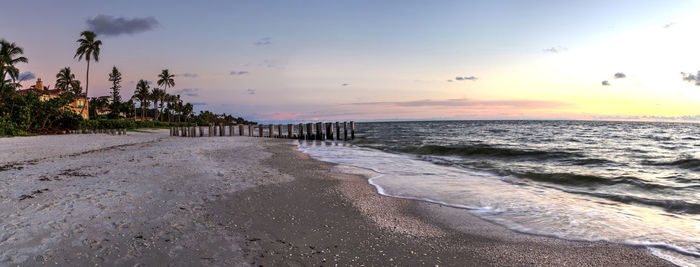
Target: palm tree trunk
[87,86]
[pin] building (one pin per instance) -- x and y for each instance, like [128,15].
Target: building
[45,93]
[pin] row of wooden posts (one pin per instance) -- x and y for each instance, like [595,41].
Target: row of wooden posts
[308,131]
[97,131]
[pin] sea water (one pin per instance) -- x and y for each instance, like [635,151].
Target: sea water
[624,182]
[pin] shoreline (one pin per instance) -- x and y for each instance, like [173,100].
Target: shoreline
[150,199]
[411,231]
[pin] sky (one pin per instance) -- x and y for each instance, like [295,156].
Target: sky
[275,61]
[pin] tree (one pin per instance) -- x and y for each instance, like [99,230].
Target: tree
[115,77]
[9,73]
[157,95]
[143,95]
[187,110]
[166,80]
[66,82]
[89,48]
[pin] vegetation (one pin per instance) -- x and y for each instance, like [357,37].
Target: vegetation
[89,48]
[29,113]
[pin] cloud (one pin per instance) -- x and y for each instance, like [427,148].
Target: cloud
[605,83]
[669,25]
[345,84]
[464,102]
[238,72]
[466,78]
[251,91]
[190,75]
[198,103]
[113,26]
[26,76]
[449,81]
[554,49]
[188,91]
[689,77]
[620,75]
[264,41]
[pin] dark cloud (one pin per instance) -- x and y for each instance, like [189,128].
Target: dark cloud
[669,25]
[26,76]
[251,91]
[605,83]
[264,41]
[466,78]
[238,72]
[190,75]
[620,75]
[689,77]
[188,91]
[113,26]
[463,102]
[554,49]
[345,84]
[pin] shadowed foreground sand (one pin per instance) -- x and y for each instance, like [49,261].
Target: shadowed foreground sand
[156,200]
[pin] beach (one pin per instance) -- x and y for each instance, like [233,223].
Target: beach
[152,200]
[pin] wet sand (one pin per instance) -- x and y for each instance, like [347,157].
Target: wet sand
[154,200]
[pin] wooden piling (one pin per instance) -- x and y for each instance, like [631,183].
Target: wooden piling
[301,131]
[352,130]
[260,130]
[250,130]
[290,131]
[337,130]
[345,131]
[329,130]
[309,132]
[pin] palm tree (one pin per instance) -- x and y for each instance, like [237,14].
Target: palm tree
[157,96]
[170,100]
[143,95]
[166,80]
[178,107]
[66,82]
[9,57]
[90,49]
[187,110]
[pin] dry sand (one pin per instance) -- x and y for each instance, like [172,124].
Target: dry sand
[154,200]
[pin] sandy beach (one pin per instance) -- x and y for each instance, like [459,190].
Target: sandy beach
[148,199]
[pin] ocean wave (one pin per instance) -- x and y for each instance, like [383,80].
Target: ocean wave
[573,179]
[670,205]
[683,163]
[486,151]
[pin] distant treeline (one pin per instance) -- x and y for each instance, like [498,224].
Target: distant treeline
[47,111]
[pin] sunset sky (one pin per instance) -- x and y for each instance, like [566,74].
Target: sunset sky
[383,60]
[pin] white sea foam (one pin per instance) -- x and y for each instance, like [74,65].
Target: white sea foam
[524,207]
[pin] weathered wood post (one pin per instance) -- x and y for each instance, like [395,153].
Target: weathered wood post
[319,131]
[301,131]
[260,130]
[331,134]
[352,130]
[222,130]
[231,129]
[279,131]
[290,131]
[345,131]
[271,130]
[337,130]
[240,129]
[211,130]
[309,131]
[250,130]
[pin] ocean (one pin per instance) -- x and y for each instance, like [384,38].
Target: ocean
[634,183]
